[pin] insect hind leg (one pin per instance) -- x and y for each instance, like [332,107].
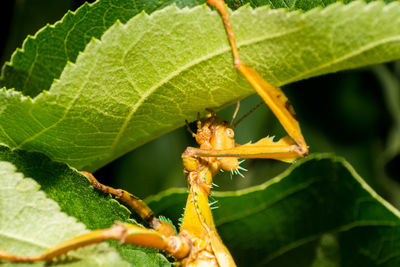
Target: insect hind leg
[163,226]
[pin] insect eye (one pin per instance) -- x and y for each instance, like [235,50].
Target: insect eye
[230,132]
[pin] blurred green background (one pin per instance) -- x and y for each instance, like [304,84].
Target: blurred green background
[354,114]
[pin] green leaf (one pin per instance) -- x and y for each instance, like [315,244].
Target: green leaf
[43,57]
[77,198]
[309,4]
[31,223]
[145,77]
[319,212]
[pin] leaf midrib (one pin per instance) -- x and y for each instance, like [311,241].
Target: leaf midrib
[345,57]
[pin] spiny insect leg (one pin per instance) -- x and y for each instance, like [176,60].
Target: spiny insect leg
[162,226]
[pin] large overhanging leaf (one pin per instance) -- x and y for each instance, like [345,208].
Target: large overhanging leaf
[43,57]
[145,77]
[317,213]
[24,212]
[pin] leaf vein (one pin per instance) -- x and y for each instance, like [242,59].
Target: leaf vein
[345,57]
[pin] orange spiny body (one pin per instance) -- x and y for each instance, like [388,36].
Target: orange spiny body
[198,224]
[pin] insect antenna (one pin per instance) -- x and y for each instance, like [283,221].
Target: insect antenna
[236,112]
[247,114]
[198,120]
[189,129]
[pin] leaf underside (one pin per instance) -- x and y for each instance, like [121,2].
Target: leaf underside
[145,77]
[74,196]
[317,213]
[43,57]
[31,223]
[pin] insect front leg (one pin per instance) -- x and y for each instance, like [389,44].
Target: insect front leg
[273,97]
[284,150]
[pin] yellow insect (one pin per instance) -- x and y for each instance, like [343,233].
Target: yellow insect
[197,243]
